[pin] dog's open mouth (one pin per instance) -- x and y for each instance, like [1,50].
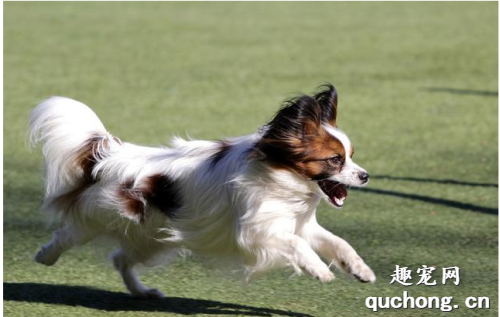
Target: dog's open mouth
[336,192]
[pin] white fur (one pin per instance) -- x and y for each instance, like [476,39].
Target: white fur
[237,210]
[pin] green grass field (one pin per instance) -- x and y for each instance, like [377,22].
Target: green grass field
[418,97]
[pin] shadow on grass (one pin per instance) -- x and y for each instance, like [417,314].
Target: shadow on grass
[485,93]
[432,180]
[113,301]
[432,200]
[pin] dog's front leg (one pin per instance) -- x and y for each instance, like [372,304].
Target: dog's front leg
[300,254]
[337,250]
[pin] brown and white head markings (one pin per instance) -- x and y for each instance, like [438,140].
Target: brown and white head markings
[304,137]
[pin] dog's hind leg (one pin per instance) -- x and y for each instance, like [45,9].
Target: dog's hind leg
[124,264]
[50,253]
[62,240]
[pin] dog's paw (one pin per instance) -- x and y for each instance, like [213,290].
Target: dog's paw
[44,257]
[362,272]
[324,275]
[149,293]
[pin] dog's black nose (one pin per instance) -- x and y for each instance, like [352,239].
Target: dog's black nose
[363,176]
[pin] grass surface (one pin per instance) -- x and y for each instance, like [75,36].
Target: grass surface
[418,98]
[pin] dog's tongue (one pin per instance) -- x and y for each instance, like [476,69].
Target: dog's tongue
[335,191]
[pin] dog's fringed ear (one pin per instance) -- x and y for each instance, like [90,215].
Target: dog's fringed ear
[283,137]
[298,117]
[327,99]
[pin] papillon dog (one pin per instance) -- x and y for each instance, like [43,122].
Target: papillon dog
[249,200]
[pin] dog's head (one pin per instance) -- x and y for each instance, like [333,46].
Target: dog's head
[303,137]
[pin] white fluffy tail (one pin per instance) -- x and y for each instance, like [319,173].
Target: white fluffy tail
[73,138]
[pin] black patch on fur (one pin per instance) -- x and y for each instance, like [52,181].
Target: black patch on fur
[222,151]
[157,190]
[163,193]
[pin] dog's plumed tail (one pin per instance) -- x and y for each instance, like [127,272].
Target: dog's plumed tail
[74,140]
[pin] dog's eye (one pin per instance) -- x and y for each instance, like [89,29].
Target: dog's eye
[335,160]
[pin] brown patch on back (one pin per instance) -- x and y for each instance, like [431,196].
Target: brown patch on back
[133,200]
[91,151]
[87,156]
[157,190]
